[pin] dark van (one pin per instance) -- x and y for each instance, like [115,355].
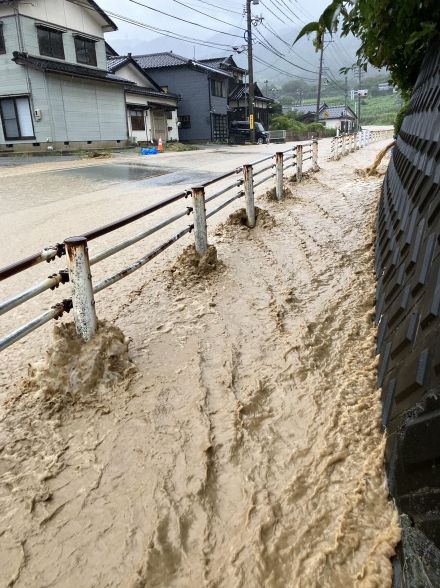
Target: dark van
[239,132]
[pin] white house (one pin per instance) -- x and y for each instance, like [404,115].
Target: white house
[151,112]
[55,89]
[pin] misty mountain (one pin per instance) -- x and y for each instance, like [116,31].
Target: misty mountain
[275,58]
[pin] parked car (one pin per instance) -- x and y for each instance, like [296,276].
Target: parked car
[239,132]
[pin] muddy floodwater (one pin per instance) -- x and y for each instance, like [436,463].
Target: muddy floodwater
[222,429]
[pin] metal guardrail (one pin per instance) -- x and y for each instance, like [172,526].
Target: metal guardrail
[78,272]
[349,142]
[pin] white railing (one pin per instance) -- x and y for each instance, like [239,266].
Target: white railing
[349,142]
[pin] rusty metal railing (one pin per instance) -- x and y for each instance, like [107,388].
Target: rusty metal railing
[76,249]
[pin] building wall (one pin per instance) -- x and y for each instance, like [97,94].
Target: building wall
[194,88]
[72,109]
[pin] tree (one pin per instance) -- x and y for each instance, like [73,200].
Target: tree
[394,34]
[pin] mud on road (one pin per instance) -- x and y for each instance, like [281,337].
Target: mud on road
[238,443]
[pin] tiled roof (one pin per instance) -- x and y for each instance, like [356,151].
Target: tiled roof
[221,63]
[306,108]
[337,112]
[241,91]
[162,60]
[113,62]
[156,60]
[149,92]
[61,67]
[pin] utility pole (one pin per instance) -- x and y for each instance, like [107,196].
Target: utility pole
[346,91]
[320,78]
[250,71]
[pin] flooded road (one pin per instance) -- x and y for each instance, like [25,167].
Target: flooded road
[236,443]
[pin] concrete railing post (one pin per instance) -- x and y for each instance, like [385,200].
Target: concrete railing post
[200,227]
[80,279]
[343,151]
[315,166]
[299,163]
[248,177]
[279,169]
[336,150]
[353,143]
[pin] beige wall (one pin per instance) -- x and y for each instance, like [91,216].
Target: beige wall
[62,13]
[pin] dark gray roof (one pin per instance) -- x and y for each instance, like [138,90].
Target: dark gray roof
[61,67]
[222,63]
[306,108]
[169,59]
[149,92]
[115,61]
[337,112]
[241,91]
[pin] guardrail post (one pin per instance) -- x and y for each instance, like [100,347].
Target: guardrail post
[200,227]
[315,166]
[82,289]
[279,167]
[343,150]
[353,145]
[299,163]
[336,148]
[248,177]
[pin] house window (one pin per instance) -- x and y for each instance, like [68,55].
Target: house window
[185,122]
[85,51]
[169,115]
[217,88]
[2,40]
[220,127]
[137,120]
[16,118]
[50,42]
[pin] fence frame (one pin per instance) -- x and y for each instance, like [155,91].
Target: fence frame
[79,274]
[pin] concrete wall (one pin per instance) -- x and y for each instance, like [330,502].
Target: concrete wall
[408,314]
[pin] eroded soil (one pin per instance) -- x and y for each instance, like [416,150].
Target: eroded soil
[238,444]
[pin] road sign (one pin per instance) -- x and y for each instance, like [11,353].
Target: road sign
[251,122]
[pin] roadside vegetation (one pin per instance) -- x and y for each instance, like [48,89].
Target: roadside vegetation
[288,122]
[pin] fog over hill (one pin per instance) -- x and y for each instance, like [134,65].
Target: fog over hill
[275,58]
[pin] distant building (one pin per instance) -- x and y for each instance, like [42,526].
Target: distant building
[202,90]
[55,89]
[151,112]
[384,87]
[332,117]
[211,93]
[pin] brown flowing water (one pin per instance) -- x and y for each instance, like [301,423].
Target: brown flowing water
[237,442]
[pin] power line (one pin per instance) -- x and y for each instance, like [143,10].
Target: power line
[283,71]
[279,9]
[272,12]
[209,16]
[221,7]
[287,6]
[183,19]
[281,56]
[270,30]
[161,32]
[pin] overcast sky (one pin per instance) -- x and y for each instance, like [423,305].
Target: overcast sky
[128,37]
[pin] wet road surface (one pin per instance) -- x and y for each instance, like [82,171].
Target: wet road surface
[237,442]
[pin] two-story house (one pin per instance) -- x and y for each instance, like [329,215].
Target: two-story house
[151,112]
[203,92]
[55,89]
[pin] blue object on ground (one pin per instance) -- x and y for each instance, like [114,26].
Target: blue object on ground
[145,151]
